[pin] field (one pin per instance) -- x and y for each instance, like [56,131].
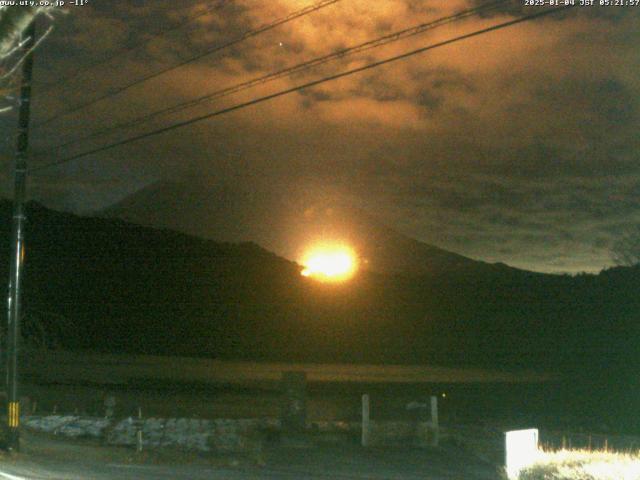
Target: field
[189,387]
[63,367]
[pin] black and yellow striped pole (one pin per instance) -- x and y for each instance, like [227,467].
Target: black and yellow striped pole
[17,240]
[14,415]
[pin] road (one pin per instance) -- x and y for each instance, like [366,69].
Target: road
[52,459]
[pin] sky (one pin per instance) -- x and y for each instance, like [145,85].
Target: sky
[517,146]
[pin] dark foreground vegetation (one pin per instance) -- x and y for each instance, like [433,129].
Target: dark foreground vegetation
[107,286]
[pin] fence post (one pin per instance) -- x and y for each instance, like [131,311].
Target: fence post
[294,409]
[366,423]
[139,425]
[109,406]
[435,441]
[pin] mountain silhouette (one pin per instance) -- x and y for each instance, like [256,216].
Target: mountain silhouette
[286,225]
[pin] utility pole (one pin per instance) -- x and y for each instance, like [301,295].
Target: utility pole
[17,241]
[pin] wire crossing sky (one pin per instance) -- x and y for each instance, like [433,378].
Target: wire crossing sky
[77,74]
[298,68]
[295,89]
[241,38]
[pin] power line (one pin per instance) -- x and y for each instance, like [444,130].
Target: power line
[80,71]
[362,47]
[287,91]
[246,35]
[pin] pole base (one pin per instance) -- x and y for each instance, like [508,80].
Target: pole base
[13,440]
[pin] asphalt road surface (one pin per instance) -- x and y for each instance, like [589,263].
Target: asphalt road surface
[48,459]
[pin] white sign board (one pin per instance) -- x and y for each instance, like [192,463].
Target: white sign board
[521,450]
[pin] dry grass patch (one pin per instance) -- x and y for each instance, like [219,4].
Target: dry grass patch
[584,465]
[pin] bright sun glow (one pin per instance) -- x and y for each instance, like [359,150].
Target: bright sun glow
[331,263]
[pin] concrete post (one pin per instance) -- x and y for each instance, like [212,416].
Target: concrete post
[139,425]
[109,406]
[366,423]
[294,408]
[434,422]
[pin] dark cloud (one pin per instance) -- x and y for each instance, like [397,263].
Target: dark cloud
[518,146]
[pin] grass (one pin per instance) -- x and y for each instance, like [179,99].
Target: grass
[584,465]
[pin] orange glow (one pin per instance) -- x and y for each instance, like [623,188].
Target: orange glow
[329,263]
